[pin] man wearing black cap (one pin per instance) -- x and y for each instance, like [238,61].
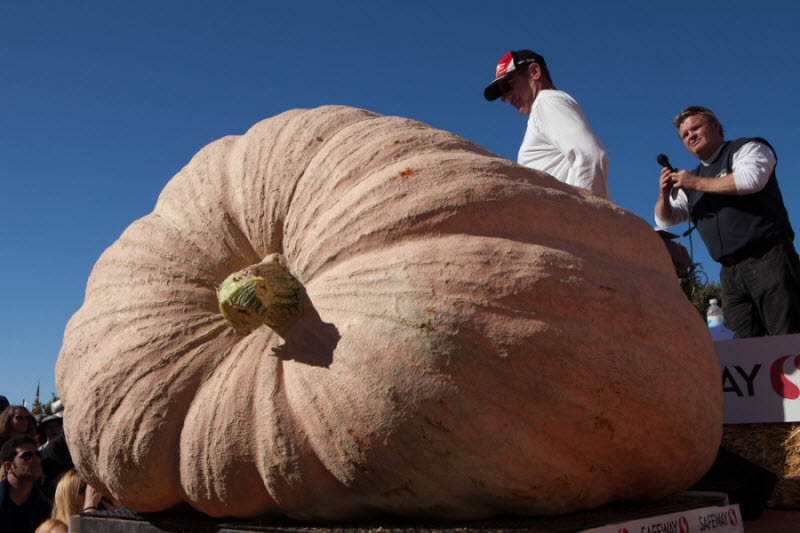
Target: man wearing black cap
[558,139]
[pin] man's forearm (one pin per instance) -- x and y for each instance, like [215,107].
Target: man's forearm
[663,210]
[722,185]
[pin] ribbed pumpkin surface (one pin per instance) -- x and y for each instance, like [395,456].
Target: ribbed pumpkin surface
[475,337]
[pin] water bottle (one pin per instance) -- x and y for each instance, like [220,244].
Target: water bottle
[714,314]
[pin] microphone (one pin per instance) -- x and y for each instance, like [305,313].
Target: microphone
[663,160]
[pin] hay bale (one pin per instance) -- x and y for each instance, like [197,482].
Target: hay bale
[775,447]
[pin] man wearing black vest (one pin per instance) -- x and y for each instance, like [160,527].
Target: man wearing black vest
[734,200]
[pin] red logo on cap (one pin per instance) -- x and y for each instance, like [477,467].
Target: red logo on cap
[732,516]
[780,382]
[683,524]
[502,66]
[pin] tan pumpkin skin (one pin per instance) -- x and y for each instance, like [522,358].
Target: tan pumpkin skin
[476,338]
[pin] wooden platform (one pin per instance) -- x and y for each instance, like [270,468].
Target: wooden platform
[189,521]
[774,521]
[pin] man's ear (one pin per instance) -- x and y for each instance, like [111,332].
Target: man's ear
[535,70]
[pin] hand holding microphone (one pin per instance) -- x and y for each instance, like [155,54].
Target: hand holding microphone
[672,178]
[666,181]
[663,160]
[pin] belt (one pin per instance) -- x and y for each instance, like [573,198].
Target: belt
[753,249]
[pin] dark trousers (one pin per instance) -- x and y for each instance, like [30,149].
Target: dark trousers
[761,295]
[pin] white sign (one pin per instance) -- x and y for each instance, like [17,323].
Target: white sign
[727,519]
[760,379]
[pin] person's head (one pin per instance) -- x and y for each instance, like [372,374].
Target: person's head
[700,131]
[69,496]
[21,460]
[3,403]
[56,460]
[15,421]
[49,428]
[519,77]
[52,525]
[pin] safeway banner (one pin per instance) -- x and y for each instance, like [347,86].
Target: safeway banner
[760,379]
[725,519]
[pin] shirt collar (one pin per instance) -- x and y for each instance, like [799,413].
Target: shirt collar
[711,159]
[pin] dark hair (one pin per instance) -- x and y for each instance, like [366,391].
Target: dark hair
[3,402]
[9,450]
[545,70]
[698,110]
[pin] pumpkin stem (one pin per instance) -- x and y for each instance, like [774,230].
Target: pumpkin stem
[265,293]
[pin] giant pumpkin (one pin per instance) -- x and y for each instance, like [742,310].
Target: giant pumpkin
[339,314]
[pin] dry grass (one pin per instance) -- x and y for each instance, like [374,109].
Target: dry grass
[775,447]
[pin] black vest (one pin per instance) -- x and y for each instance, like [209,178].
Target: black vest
[729,223]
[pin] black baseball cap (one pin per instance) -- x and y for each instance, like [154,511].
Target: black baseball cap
[507,67]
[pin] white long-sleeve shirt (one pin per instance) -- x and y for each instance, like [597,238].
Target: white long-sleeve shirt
[560,141]
[752,166]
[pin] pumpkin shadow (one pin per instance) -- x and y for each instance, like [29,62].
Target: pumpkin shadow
[310,340]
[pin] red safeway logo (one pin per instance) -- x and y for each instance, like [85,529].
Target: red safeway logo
[780,382]
[732,518]
[683,524]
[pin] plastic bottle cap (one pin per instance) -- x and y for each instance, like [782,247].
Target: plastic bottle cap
[713,301]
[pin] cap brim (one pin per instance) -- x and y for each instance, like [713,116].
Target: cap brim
[492,91]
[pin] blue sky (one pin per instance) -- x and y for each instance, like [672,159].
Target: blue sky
[103,102]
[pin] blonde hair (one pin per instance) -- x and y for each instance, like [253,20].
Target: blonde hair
[69,497]
[52,525]
[698,110]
